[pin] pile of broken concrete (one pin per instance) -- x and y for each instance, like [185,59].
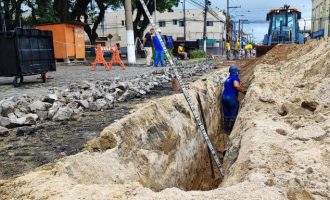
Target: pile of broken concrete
[63,104]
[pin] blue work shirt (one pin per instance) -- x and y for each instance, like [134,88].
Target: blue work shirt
[169,43]
[157,45]
[230,91]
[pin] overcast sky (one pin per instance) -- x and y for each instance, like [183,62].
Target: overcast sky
[257,10]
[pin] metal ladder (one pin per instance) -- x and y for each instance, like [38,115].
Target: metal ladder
[186,95]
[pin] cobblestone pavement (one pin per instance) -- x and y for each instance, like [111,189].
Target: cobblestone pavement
[64,76]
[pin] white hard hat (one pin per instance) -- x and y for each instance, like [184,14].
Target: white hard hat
[159,30]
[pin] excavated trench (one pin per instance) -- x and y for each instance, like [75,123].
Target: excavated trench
[158,146]
[163,143]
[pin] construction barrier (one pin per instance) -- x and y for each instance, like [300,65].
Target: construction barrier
[99,59]
[116,58]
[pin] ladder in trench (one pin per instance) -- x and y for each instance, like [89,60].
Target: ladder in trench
[187,96]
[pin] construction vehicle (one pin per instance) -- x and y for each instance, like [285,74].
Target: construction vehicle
[283,29]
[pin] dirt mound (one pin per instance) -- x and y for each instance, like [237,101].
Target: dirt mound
[279,53]
[284,124]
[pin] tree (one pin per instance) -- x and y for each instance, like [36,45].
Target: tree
[12,12]
[90,12]
[141,20]
[96,17]
[41,12]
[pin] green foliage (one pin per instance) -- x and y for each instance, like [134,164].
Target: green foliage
[11,10]
[93,10]
[90,12]
[41,12]
[197,54]
[162,5]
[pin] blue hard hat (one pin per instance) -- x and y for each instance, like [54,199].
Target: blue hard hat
[234,69]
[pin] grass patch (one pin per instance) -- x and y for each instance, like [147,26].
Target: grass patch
[197,54]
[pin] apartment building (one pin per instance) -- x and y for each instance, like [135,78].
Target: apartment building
[171,24]
[321,16]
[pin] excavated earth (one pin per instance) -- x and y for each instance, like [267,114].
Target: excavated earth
[279,148]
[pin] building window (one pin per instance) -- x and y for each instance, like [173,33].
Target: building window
[162,23]
[181,23]
[175,22]
[209,23]
[123,22]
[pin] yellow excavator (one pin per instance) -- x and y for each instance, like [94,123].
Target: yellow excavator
[283,29]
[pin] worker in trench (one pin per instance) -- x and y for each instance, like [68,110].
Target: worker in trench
[229,98]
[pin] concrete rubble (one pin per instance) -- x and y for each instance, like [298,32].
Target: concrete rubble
[65,104]
[3,131]
[279,148]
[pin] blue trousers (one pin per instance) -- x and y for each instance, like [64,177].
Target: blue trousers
[159,55]
[230,107]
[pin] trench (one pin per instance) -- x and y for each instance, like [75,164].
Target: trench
[173,153]
[207,173]
[208,176]
[162,143]
[203,170]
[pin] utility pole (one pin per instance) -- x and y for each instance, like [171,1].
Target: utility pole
[129,32]
[205,21]
[242,32]
[228,16]
[184,20]
[239,30]
[155,4]
[227,20]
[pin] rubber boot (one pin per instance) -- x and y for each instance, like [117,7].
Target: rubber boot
[226,125]
[231,124]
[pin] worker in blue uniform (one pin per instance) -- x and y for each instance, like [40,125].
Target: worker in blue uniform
[229,98]
[159,51]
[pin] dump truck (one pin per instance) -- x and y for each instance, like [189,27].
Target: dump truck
[283,29]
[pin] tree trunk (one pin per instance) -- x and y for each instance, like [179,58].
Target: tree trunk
[79,9]
[91,32]
[12,14]
[140,26]
[33,12]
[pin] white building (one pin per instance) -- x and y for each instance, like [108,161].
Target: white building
[321,16]
[171,24]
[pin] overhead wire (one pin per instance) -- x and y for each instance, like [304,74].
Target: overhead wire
[202,6]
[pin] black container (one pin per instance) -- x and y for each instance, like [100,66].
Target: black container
[188,45]
[25,52]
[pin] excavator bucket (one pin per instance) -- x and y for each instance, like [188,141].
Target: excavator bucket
[263,49]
